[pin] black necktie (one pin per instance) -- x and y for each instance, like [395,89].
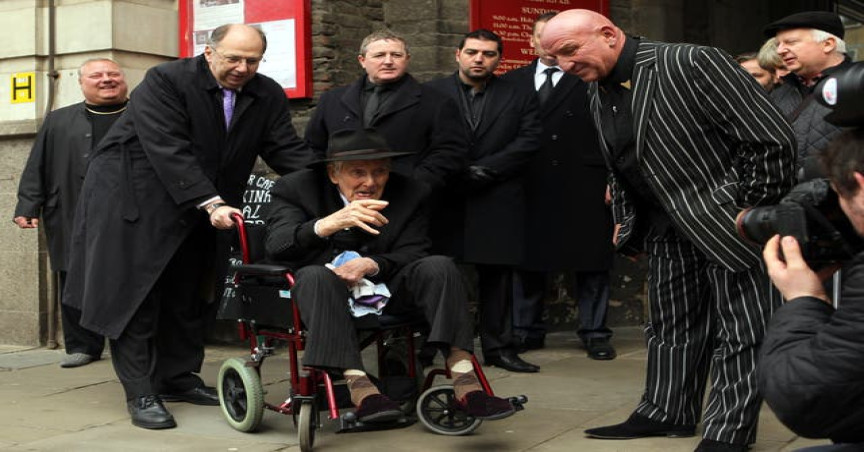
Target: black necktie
[546,88]
[373,101]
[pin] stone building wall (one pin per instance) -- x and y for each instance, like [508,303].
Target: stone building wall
[142,33]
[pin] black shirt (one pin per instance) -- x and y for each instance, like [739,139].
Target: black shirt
[384,90]
[472,102]
[617,129]
[101,119]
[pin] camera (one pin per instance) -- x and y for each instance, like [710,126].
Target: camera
[811,213]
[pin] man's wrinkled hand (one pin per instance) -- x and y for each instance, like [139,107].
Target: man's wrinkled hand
[790,273]
[356,269]
[364,214]
[220,218]
[26,222]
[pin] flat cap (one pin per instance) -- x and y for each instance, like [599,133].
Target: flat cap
[820,20]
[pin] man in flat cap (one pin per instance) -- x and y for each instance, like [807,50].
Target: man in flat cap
[811,45]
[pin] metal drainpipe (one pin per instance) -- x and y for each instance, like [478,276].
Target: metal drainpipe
[54,280]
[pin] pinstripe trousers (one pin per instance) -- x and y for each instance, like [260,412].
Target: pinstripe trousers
[704,321]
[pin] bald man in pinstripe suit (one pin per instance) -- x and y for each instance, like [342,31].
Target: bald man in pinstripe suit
[690,140]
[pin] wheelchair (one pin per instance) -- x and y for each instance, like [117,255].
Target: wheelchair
[260,301]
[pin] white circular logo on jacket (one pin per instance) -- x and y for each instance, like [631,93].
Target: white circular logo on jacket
[829,91]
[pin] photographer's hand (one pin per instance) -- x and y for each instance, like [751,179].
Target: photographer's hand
[793,278]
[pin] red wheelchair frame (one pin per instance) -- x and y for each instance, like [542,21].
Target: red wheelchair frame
[241,392]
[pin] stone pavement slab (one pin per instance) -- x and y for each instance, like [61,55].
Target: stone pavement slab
[46,408]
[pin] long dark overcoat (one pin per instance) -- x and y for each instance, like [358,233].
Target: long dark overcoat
[569,225]
[169,151]
[505,140]
[413,119]
[53,177]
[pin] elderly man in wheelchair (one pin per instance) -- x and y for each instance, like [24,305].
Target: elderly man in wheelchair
[355,233]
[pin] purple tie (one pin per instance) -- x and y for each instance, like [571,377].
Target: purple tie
[228,105]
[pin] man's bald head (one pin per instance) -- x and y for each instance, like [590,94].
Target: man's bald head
[586,44]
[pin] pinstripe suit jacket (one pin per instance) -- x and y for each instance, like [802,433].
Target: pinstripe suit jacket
[708,142]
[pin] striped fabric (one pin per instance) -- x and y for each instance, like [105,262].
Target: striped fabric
[709,143]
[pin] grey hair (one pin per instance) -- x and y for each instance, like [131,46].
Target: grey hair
[219,33]
[768,57]
[379,35]
[821,36]
[94,60]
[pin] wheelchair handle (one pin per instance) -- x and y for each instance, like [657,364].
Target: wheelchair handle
[241,231]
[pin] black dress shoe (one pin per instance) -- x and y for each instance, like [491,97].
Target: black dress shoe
[148,412]
[483,406]
[378,408]
[600,349]
[638,426]
[509,360]
[709,445]
[202,395]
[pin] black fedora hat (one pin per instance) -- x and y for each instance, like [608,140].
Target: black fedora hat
[357,144]
[820,20]
[843,93]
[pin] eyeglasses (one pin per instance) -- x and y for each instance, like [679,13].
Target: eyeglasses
[231,59]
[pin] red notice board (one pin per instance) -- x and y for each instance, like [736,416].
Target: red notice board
[286,23]
[514,19]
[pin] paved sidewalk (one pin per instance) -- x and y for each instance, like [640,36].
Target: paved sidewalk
[46,408]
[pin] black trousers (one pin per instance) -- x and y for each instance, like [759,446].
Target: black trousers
[76,338]
[162,347]
[495,294]
[590,289]
[432,284]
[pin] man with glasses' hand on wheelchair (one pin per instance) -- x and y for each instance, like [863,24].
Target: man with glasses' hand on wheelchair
[339,205]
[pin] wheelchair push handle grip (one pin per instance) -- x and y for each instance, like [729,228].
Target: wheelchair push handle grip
[244,238]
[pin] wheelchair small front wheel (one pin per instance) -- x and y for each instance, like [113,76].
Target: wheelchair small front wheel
[241,395]
[306,426]
[437,410]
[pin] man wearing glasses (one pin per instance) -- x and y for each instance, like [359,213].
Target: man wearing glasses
[161,183]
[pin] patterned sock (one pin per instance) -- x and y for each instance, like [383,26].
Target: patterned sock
[359,385]
[464,378]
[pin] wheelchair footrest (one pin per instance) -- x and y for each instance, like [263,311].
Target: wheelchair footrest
[350,424]
[518,402]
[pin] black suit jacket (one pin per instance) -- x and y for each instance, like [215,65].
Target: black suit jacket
[504,141]
[169,151]
[709,143]
[569,225]
[302,198]
[414,119]
[53,176]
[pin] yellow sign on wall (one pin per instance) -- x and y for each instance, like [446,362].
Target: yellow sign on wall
[23,87]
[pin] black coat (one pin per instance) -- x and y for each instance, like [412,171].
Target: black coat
[810,364]
[505,141]
[167,153]
[53,176]
[300,199]
[413,119]
[569,225]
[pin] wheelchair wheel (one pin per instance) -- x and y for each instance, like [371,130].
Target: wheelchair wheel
[436,410]
[241,395]
[306,426]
